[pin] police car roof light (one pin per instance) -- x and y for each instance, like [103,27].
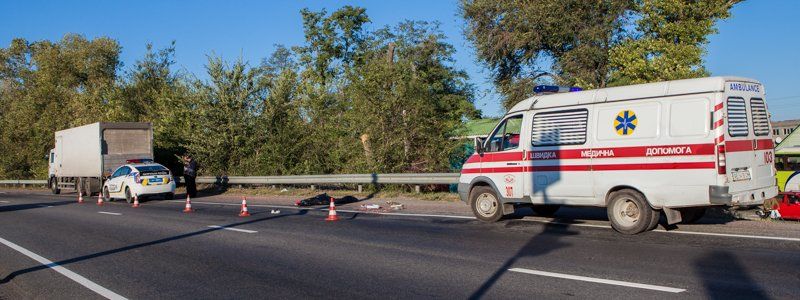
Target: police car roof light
[139,161]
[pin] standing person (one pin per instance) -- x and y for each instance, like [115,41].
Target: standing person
[189,175]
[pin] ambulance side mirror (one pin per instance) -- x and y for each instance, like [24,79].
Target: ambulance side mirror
[478,143]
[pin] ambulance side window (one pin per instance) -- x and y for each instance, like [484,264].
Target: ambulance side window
[506,137]
[556,128]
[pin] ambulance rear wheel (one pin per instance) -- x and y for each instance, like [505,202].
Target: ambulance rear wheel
[485,204]
[629,212]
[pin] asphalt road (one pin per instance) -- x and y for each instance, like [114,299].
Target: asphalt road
[156,251]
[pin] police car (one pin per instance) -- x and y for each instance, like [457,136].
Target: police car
[140,178]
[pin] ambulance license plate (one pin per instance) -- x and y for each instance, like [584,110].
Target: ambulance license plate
[741,175]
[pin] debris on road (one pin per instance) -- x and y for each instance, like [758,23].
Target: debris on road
[370,206]
[275,211]
[324,199]
[284,190]
[395,205]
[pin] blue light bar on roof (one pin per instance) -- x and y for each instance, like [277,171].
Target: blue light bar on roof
[552,89]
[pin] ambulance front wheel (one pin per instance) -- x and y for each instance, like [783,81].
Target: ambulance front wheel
[630,213]
[485,204]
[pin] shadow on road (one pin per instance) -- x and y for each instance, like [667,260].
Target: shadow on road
[14,274]
[725,278]
[545,242]
[17,207]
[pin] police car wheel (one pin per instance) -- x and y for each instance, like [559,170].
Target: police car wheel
[485,204]
[106,194]
[169,196]
[629,212]
[128,196]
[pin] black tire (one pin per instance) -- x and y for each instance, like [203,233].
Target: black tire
[106,195]
[630,213]
[690,215]
[169,196]
[545,210]
[485,204]
[54,186]
[128,196]
[654,222]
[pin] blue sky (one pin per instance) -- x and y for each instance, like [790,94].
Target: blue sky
[760,40]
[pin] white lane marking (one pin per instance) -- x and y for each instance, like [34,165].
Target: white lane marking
[600,280]
[774,238]
[109,213]
[43,205]
[732,235]
[64,271]
[232,229]
[4,201]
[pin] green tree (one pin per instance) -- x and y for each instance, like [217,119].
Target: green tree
[590,43]
[334,44]
[50,86]
[671,41]
[407,101]
[153,92]
[522,41]
[221,123]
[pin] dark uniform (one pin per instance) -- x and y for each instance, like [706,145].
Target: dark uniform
[189,175]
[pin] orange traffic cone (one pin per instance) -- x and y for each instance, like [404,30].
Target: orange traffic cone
[244,212]
[80,197]
[100,199]
[135,201]
[188,207]
[332,212]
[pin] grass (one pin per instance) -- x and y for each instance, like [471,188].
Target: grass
[307,192]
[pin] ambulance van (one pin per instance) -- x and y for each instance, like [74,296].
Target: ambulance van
[675,147]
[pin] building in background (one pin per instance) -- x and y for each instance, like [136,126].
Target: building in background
[782,129]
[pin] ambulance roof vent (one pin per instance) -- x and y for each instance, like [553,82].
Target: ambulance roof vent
[553,89]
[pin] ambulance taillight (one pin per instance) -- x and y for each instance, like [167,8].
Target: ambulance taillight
[721,160]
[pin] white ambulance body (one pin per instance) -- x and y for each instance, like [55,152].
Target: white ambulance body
[674,147]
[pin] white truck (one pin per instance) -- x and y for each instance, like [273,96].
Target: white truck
[85,156]
[672,147]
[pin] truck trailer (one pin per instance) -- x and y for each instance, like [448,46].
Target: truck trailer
[85,156]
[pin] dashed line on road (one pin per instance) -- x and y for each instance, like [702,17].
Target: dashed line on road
[232,229]
[774,238]
[109,213]
[44,205]
[64,271]
[3,201]
[600,280]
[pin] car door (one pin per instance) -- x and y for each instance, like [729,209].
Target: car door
[116,182]
[502,160]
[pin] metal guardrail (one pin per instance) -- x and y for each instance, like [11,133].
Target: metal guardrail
[391,178]
[18,182]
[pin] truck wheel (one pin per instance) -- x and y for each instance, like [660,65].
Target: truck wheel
[106,195]
[629,212]
[128,196]
[545,210]
[485,204]
[54,186]
[691,215]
